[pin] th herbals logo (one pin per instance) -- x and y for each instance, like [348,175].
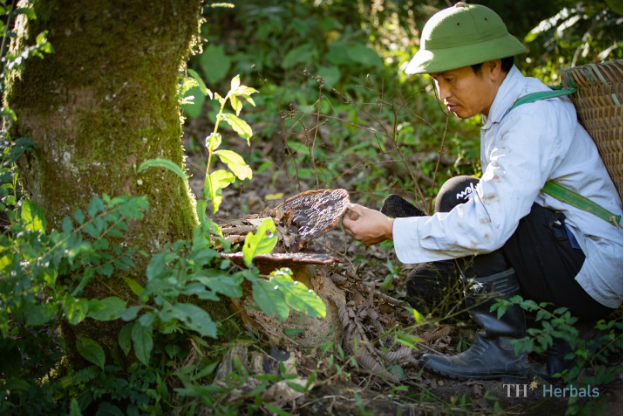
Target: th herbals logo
[569,391]
[521,390]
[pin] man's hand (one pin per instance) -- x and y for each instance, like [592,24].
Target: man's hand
[366,225]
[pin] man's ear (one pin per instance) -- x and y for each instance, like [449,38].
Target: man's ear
[494,69]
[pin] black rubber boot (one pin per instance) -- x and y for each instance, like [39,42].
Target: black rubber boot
[491,355]
[397,207]
[556,362]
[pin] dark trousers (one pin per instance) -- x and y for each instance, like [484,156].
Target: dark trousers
[539,251]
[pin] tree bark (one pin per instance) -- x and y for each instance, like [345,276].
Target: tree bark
[105,101]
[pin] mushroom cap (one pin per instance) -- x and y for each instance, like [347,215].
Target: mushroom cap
[315,212]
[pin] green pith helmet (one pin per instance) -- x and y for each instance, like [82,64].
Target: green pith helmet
[462,35]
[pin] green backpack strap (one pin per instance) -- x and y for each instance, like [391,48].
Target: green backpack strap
[541,95]
[578,201]
[555,190]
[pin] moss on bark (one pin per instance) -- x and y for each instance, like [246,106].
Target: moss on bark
[105,101]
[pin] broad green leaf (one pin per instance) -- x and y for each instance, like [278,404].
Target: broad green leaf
[234,84]
[199,290]
[222,282]
[337,54]
[107,409]
[96,204]
[79,216]
[270,299]
[303,54]
[110,306]
[91,351]
[214,184]
[90,229]
[41,314]
[27,11]
[196,319]
[303,173]
[75,309]
[235,163]
[125,336]
[147,319]
[243,89]
[129,314]
[245,92]
[397,370]
[143,343]
[328,24]
[33,216]
[88,274]
[134,286]
[214,63]
[364,55]
[259,243]
[156,266]
[201,240]
[163,163]
[48,276]
[201,214]
[105,269]
[240,126]
[330,74]
[213,141]
[200,82]
[237,106]
[297,295]
[193,102]
[67,226]
[248,99]
[6,261]
[200,208]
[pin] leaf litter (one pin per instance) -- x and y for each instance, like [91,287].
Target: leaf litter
[371,338]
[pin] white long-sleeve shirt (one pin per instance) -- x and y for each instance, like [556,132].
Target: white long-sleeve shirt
[520,152]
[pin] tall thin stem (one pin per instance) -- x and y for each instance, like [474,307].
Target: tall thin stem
[6,33]
[210,150]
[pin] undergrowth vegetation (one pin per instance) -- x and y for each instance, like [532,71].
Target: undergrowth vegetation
[327,106]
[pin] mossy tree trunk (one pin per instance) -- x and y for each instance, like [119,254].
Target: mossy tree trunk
[105,101]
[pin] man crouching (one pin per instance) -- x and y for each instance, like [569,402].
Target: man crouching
[502,233]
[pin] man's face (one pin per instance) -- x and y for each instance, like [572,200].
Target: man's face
[465,93]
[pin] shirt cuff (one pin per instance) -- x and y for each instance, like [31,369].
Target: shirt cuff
[406,240]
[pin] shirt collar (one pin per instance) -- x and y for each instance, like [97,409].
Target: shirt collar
[507,94]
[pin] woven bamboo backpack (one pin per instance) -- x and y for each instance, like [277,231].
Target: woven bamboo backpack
[598,102]
[596,91]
